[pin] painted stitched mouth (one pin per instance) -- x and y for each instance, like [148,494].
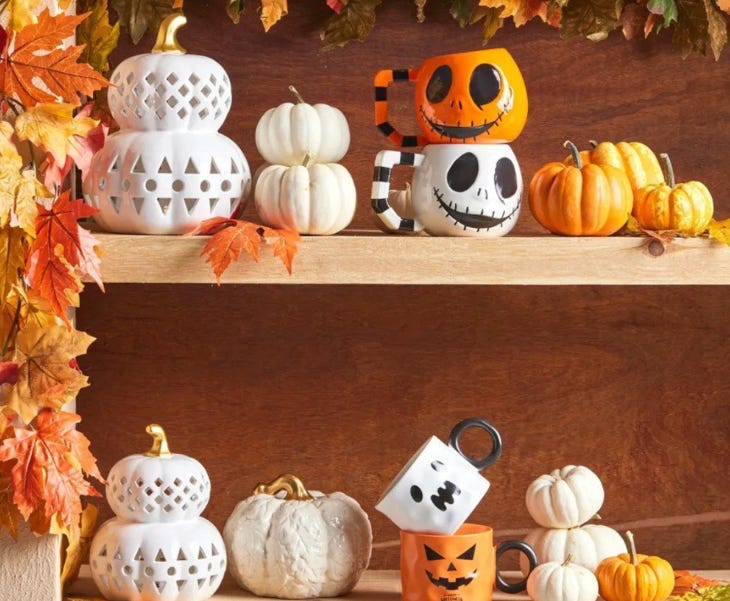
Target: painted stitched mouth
[462,132]
[451,585]
[477,221]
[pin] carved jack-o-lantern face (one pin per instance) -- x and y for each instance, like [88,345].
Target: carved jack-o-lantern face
[451,573]
[471,97]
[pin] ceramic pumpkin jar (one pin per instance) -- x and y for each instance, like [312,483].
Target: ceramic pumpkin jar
[158,548]
[168,168]
[285,542]
[686,207]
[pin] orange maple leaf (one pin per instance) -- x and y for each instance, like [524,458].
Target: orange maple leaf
[227,244]
[285,245]
[37,53]
[50,462]
[57,251]
[45,378]
[8,512]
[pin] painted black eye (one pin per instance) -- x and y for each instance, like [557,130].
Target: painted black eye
[416,494]
[505,178]
[469,553]
[437,466]
[431,555]
[463,173]
[484,84]
[439,84]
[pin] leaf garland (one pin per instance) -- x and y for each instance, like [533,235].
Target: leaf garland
[45,463]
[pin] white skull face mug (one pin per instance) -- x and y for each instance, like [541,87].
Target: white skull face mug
[457,190]
[440,486]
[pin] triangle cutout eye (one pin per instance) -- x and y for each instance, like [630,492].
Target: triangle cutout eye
[469,553]
[431,555]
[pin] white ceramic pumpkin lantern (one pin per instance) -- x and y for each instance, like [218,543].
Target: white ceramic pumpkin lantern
[168,168]
[158,548]
[587,545]
[565,497]
[316,199]
[562,581]
[297,546]
[287,133]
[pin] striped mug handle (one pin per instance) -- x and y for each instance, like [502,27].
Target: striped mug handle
[382,80]
[384,162]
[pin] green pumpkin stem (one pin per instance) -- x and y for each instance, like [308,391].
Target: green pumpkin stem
[574,153]
[298,96]
[632,547]
[667,169]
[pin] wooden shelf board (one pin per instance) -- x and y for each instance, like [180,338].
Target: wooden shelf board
[375,585]
[384,259]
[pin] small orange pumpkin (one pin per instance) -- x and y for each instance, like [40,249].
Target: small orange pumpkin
[634,577]
[580,200]
[685,207]
[635,159]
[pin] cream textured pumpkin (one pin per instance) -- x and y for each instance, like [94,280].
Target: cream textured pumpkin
[564,498]
[315,199]
[287,133]
[300,546]
[564,581]
[588,545]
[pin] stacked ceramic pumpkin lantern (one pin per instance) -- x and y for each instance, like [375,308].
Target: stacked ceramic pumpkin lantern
[158,548]
[303,187]
[168,168]
[561,502]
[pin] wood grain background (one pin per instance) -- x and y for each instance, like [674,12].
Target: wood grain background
[341,384]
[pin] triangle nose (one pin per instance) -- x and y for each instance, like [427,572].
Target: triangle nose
[451,568]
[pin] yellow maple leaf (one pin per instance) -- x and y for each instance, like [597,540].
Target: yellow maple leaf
[20,12]
[12,260]
[272,11]
[720,231]
[521,11]
[52,127]
[98,36]
[45,377]
[34,309]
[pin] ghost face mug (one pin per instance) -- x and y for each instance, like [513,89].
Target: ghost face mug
[440,485]
[457,189]
[459,567]
[467,97]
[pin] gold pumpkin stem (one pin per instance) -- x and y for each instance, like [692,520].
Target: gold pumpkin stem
[667,169]
[295,490]
[308,160]
[298,96]
[574,153]
[593,143]
[159,442]
[568,559]
[632,547]
[167,35]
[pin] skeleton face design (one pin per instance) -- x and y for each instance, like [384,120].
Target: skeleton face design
[471,97]
[473,190]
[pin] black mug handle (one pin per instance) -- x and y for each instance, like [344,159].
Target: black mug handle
[477,422]
[515,587]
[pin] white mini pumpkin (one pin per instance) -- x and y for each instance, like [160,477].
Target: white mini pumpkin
[299,546]
[315,199]
[287,133]
[564,581]
[588,545]
[565,497]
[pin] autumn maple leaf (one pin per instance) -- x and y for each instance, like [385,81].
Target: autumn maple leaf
[45,378]
[284,243]
[51,459]
[227,244]
[38,54]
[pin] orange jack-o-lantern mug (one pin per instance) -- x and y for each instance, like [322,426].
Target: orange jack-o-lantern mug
[469,97]
[456,567]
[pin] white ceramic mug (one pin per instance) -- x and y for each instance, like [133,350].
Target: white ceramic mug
[440,486]
[457,189]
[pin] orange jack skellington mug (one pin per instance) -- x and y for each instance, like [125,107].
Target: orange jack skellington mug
[468,97]
[456,567]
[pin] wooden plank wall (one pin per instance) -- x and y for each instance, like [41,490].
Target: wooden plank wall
[341,384]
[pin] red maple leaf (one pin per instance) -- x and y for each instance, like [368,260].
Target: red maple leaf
[51,458]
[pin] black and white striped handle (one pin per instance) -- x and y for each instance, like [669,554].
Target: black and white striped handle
[384,163]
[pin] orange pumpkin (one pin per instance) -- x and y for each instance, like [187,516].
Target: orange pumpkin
[580,200]
[634,577]
[635,159]
[685,207]
[478,96]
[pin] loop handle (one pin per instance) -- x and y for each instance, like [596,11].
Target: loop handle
[384,163]
[382,80]
[477,422]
